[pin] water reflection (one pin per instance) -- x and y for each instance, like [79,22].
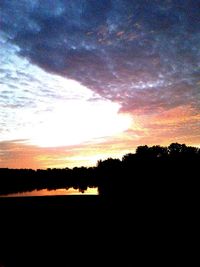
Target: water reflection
[55,192]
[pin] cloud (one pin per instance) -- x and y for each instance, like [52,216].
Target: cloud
[128,51]
[49,110]
[179,124]
[144,55]
[14,155]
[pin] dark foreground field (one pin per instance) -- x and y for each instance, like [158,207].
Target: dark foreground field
[91,231]
[146,213]
[49,203]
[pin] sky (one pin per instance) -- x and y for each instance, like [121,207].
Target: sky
[83,80]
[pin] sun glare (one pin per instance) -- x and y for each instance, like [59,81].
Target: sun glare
[76,121]
[54,111]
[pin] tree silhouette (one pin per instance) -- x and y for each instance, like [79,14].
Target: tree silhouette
[142,151]
[175,149]
[147,168]
[158,151]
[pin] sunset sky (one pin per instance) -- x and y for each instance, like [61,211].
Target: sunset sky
[86,80]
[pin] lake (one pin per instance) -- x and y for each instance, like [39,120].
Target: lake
[54,192]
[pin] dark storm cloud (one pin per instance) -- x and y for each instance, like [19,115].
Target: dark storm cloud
[143,54]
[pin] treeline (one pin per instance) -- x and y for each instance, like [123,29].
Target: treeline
[148,169]
[152,172]
[22,180]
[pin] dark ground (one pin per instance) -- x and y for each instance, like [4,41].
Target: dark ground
[91,231]
[146,215]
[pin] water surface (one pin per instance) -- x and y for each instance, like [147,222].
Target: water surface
[54,192]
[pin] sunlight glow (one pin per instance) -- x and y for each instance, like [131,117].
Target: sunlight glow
[47,110]
[69,125]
